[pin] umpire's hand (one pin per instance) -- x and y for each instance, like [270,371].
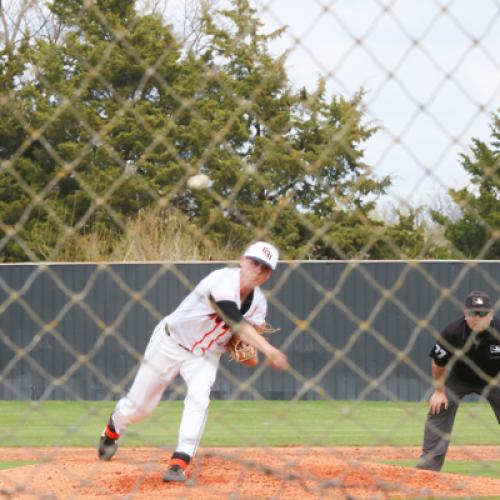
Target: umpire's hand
[438,401]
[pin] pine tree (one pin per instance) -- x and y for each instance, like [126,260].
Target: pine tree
[476,233]
[93,125]
[294,160]
[113,119]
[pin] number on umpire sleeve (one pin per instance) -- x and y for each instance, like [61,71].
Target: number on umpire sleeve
[439,351]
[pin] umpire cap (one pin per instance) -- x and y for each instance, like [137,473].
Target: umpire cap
[478,301]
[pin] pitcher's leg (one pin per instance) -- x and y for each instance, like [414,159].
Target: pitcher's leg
[162,361]
[199,375]
[140,401]
[144,395]
[159,367]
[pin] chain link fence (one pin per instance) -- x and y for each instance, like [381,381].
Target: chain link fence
[143,144]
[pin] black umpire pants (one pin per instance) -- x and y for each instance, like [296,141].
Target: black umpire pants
[438,427]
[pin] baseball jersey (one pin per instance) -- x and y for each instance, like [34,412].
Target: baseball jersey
[195,323]
[481,352]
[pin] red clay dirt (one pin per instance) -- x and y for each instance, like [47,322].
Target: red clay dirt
[243,473]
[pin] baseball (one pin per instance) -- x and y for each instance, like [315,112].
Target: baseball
[200,181]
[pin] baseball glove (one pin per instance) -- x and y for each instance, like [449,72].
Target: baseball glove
[241,351]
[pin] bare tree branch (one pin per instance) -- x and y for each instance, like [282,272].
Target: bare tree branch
[22,18]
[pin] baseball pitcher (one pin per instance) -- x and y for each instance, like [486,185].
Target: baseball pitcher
[225,305]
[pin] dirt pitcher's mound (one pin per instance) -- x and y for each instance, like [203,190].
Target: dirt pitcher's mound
[292,472]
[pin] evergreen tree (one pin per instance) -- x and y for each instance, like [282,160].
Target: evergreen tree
[114,118]
[295,160]
[92,124]
[475,233]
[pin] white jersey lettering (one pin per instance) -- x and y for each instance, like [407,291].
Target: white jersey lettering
[439,351]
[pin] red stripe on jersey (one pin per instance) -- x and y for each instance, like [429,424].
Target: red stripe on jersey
[226,328]
[203,336]
[218,322]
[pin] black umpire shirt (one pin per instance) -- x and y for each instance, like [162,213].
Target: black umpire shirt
[479,358]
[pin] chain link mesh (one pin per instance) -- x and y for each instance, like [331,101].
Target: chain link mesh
[143,144]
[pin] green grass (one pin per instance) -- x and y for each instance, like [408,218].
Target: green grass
[244,423]
[467,467]
[11,464]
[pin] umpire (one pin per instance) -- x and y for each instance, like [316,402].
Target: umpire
[465,360]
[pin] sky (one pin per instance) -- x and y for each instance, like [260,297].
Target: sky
[430,70]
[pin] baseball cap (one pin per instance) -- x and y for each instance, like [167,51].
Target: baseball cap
[478,301]
[263,252]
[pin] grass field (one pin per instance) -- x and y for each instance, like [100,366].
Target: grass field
[252,423]
[485,469]
[9,464]
[244,423]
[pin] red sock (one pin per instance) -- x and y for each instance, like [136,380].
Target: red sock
[110,433]
[178,461]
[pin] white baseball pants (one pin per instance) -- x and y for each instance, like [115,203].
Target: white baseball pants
[163,360]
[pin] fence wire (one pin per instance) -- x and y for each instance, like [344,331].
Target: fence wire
[144,144]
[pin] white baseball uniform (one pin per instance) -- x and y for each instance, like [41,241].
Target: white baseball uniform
[190,341]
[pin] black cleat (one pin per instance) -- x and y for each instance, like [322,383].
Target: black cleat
[108,442]
[107,448]
[175,474]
